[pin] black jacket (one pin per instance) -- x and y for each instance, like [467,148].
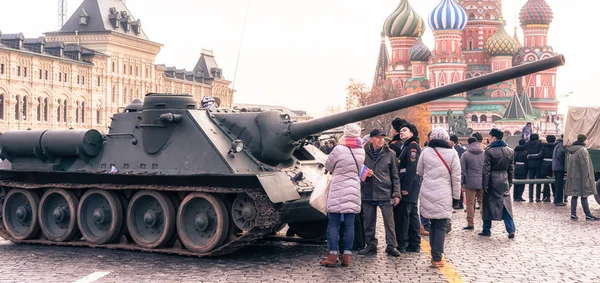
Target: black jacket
[520,162]
[459,149]
[409,180]
[497,179]
[534,153]
[396,144]
[558,157]
[386,169]
[547,150]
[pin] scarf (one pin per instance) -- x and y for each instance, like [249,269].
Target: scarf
[352,142]
[498,143]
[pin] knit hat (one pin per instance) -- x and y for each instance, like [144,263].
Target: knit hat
[352,130]
[454,138]
[550,138]
[397,124]
[412,128]
[478,136]
[495,132]
[439,134]
[581,138]
[534,137]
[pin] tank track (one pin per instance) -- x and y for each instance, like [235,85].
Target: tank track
[267,218]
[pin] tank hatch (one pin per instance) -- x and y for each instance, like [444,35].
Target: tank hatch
[168,101]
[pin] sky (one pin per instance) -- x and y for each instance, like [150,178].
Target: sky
[301,54]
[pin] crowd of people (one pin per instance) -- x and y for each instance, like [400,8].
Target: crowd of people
[417,188]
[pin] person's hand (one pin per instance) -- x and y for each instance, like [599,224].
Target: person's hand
[404,192]
[396,201]
[370,173]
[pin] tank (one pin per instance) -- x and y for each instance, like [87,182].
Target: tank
[171,178]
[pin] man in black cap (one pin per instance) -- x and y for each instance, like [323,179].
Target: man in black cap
[396,143]
[497,180]
[380,189]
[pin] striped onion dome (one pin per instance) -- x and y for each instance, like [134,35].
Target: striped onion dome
[419,51]
[501,44]
[536,12]
[404,21]
[448,16]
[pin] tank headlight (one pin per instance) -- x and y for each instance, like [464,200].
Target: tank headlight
[237,146]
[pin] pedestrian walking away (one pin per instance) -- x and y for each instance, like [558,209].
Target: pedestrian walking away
[343,200]
[471,163]
[497,180]
[439,166]
[534,164]
[406,214]
[380,188]
[558,168]
[520,170]
[546,168]
[580,177]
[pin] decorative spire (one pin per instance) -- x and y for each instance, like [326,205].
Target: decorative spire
[526,103]
[515,109]
[383,61]
[516,38]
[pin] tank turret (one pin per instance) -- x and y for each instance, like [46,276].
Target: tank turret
[171,178]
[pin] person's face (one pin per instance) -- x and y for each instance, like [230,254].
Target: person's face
[492,139]
[405,134]
[394,131]
[330,144]
[452,143]
[377,141]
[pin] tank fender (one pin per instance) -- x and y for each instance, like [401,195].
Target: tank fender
[278,186]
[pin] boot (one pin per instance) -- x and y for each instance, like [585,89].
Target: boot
[330,261]
[345,260]
[368,250]
[423,231]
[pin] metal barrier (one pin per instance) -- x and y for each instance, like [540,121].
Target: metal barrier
[534,181]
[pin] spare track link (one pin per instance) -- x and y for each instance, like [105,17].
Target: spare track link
[267,218]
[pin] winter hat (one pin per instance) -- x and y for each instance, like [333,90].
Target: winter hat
[478,136]
[521,142]
[397,124]
[471,140]
[454,138]
[412,128]
[439,134]
[534,137]
[550,138]
[495,132]
[581,138]
[352,130]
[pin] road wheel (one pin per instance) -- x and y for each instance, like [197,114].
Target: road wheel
[151,219]
[99,216]
[202,222]
[58,215]
[20,214]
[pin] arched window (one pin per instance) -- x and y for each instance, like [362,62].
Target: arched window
[77,112]
[39,109]
[98,114]
[470,44]
[435,119]
[65,109]
[483,118]
[24,108]
[58,111]
[46,109]
[2,106]
[18,108]
[474,118]
[83,112]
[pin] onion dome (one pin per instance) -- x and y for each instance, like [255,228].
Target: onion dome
[536,12]
[419,51]
[448,16]
[501,44]
[404,21]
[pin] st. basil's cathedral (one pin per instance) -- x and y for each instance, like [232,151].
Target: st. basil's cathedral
[470,41]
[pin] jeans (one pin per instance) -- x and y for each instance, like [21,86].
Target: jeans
[437,237]
[508,222]
[559,181]
[333,231]
[425,222]
[471,195]
[584,204]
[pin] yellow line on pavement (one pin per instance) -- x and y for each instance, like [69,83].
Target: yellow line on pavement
[448,269]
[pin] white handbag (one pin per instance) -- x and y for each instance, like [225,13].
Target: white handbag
[318,198]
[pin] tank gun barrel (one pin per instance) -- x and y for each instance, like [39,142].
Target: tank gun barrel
[300,130]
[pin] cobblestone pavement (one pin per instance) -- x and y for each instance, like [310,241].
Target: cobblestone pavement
[548,247]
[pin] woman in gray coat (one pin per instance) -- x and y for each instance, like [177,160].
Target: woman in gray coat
[343,200]
[497,179]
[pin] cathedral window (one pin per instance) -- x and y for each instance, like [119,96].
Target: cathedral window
[39,109]
[46,109]
[532,92]
[470,44]
[483,118]
[2,106]
[474,118]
